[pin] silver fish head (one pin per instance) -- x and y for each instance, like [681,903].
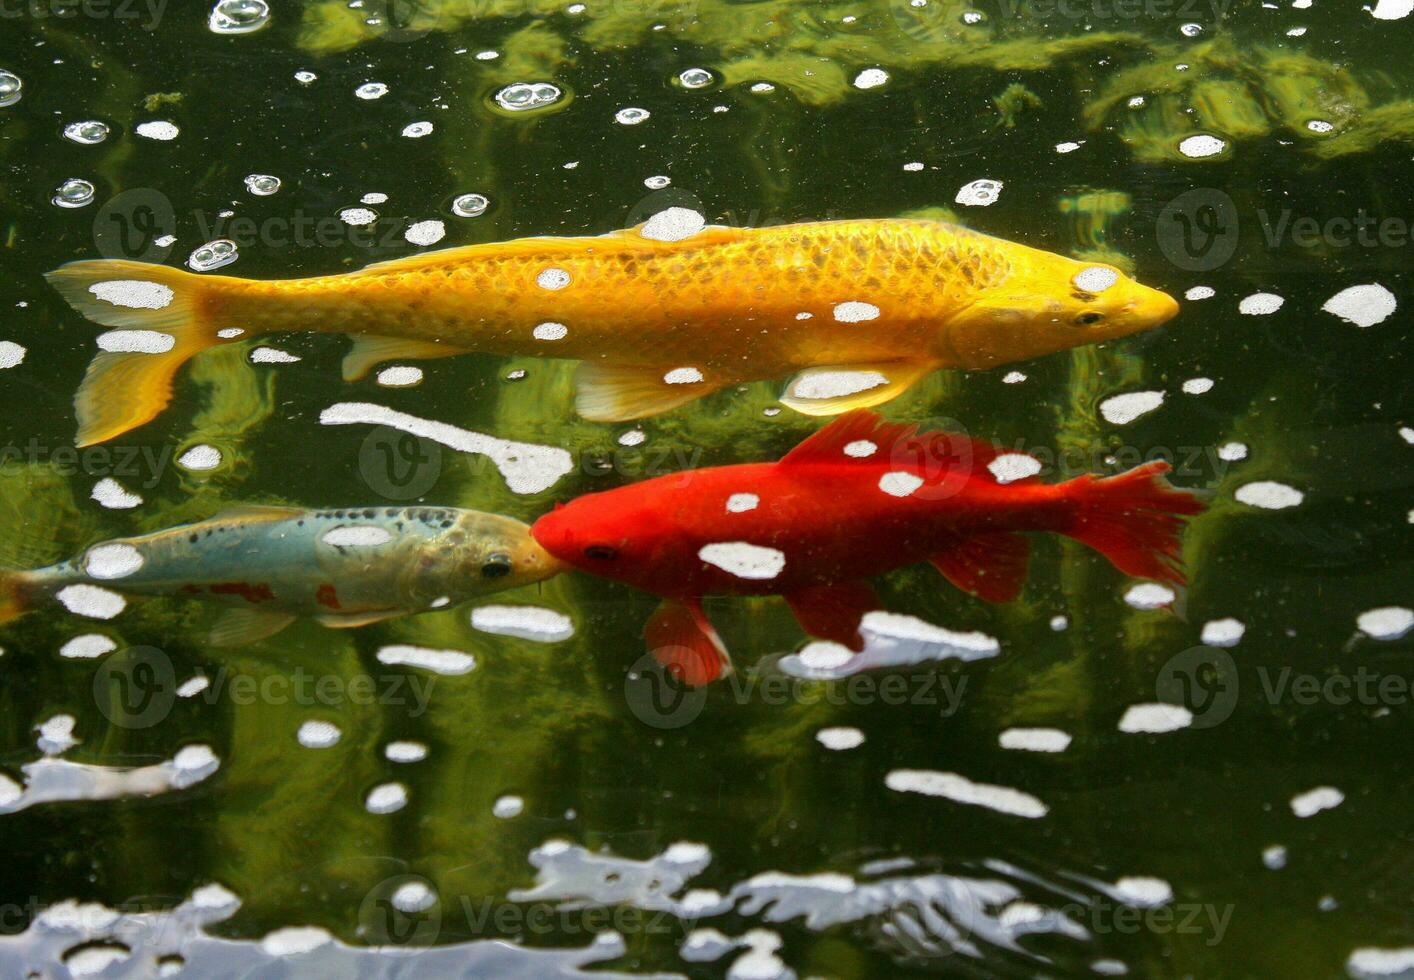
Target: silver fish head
[485,553]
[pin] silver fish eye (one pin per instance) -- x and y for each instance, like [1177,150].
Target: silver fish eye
[496,566]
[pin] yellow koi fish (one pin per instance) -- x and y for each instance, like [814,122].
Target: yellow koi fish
[658,315]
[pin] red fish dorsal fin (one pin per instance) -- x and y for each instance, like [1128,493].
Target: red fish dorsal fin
[849,437]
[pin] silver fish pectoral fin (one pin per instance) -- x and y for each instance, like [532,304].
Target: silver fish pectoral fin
[237,627]
[352,620]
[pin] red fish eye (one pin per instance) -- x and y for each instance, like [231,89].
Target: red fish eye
[601,552]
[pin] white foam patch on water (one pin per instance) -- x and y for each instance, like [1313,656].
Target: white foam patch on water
[1010,467]
[1269,495]
[819,385]
[1095,279]
[400,376]
[683,376]
[744,560]
[1313,801]
[1197,386]
[1201,145]
[56,734]
[524,622]
[428,232]
[136,341]
[414,896]
[960,789]
[1391,9]
[871,78]
[405,752]
[229,333]
[134,294]
[860,449]
[417,130]
[740,503]
[358,217]
[1125,408]
[110,493]
[193,686]
[1274,857]
[1386,623]
[633,437]
[825,656]
[840,739]
[157,130]
[11,354]
[87,647]
[356,535]
[673,225]
[1143,892]
[90,961]
[507,807]
[1226,632]
[272,355]
[550,331]
[51,779]
[899,483]
[1364,305]
[855,311]
[979,193]
[318,734]
[1260,304]
[115,560]
[1034,739]
[1373,961]
[1200,292]
[1069,146]
[91,601]
[1231,452]
[386,798]
[1155,719]
[200,457]
[552,278]
[1149,595]
[1013,378]
[447,662]
[294,940]
[527,468]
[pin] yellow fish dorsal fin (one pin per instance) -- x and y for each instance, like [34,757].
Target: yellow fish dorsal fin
[616,394]
[838,388]
[370,350]
[548,246]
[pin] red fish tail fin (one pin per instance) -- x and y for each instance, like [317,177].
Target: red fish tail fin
[164,320]
[16,596]
[1135,520]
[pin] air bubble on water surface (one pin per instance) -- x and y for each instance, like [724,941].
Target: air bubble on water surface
[1200,292]
[371,90]
[523,622]
[428,232]
[400,376]
[970,17]
[1231,452]
[470,205]
[158,129]
[405,752]
[507,807]
[306,77]
[696,78]
[840,739]
[979,193]
[1269,495]
[386,798]
[552,279]
[1197,386]
[88,132]
[871,78]
[417,130]
[74,193]
[358,217]
[1365,305]
[111,494]
[213,255]
[1191,30]
[630,116]
[136,341]
[1200,145]
[550,331]
[262,185]
[239,16]
[656,183]
[1260,304]
[1320,126]
[413,897]
[1125,408]
[683,376]
[11,88]
[526,96]
[318,734]
[200,457]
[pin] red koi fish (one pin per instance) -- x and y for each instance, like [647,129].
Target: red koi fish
[858,498]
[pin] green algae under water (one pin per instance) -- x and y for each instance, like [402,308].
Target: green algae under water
[553,803]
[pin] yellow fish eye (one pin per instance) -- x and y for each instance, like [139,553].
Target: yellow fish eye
[1088,317]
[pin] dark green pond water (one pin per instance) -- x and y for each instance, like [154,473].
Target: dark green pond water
[562,814]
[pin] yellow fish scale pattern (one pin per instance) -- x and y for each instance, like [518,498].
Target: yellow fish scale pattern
[715,299]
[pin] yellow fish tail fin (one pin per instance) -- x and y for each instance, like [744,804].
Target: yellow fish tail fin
[15,595]
[160,322]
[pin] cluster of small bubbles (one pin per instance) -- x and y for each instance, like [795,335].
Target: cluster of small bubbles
[305,77]
[213,255]
[696,78]
[657,183]
[74,193]
[470,205]
[88,132]
[1191,30]
[973,17]
[630,116]
[10,88]
[262,185]
[1319,126]
[371,90]
[524,96]
[239,16]
[358,217]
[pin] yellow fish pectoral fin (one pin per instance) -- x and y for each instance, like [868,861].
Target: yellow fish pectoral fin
[369,350]
[617,394]
[840,388]
[237,627]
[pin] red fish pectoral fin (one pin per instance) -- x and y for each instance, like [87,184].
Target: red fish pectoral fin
[681,639]
[991,566]
[833,612]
